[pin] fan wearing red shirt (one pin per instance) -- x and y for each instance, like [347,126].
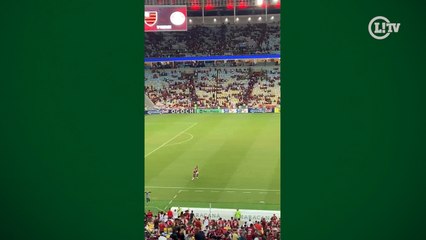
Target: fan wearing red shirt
[189,229]
[149,214]
[218,233]
[170,223]
[235,224]
[220,223]
[170,214]
[250,232]
[258,227]
[162,226]
[198,223]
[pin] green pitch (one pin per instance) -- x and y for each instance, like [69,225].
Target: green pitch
[238,157]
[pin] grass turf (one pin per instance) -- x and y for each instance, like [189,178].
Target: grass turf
[238,157]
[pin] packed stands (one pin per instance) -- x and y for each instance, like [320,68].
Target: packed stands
[185,226]
[208,40]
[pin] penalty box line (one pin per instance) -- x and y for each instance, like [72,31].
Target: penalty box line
[173,138]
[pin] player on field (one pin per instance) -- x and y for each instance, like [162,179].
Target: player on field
[195,173]
[148,197]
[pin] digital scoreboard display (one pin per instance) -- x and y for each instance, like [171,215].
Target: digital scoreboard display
[165,18]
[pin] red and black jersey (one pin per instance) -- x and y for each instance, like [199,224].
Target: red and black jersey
[220,223]
[250,233]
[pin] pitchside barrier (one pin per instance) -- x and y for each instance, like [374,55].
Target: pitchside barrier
[216,213]
[212,110]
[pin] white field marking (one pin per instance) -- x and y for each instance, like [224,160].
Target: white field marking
[262,192]
[246,192]
[218,189]
[230,191]
[184,141]
[214,191]
[165,123]
[173,138]
[148,207]
[199,191]
[171,200]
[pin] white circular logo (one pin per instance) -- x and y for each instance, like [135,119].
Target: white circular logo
[177,18]
[377,30]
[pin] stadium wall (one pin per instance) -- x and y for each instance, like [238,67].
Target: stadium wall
[212,110]
[216,213]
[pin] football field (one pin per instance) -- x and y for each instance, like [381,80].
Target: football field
[238,156]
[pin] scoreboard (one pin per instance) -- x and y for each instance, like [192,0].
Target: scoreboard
[165,18]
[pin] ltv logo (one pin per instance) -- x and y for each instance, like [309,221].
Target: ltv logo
[380,27]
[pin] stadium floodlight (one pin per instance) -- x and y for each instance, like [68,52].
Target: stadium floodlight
[249,19]
[190,20]
[259,2]
[272,18]
[214,20]
[259,19]
[226,19]
[238,19]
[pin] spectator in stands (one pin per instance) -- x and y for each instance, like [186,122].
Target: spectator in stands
[215,40]
[199,235]
[170,214]
[181,228]
[149,215]
[214,87]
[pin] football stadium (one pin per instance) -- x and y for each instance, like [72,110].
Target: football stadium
[212,119]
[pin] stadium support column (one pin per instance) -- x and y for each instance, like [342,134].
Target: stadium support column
[235,9]
[202,9]
[266,11]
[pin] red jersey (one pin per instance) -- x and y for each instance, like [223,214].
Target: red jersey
[170,223]
[170,214]
[198,224]
[220,223]
[258,227]
[162,226]
[250,233]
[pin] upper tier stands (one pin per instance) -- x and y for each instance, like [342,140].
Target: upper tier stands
[208,40]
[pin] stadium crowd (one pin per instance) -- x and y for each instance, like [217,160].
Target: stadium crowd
[225,39]
[185,226]
[214,87]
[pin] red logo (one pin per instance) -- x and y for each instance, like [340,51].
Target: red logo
[151,18]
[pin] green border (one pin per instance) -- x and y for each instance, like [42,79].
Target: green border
[71,106]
